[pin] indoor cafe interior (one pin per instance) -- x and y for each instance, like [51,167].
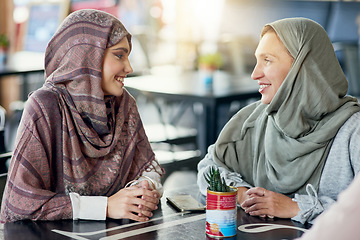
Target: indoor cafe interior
[183,105]
[182,111]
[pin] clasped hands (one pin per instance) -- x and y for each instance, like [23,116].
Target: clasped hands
[261,202]
[136,202]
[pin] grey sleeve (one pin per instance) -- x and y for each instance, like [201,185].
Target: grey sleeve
[311,205]
[231,178]
[341,167]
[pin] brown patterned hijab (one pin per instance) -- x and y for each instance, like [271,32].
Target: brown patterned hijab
[74,60]
[98,126]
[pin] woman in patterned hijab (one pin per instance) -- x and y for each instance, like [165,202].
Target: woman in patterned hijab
[81,150]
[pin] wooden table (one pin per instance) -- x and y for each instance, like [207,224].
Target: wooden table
[166,224]
[188,89]
[23,64]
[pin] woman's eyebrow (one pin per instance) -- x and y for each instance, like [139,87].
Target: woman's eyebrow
[266,55]
[121,48]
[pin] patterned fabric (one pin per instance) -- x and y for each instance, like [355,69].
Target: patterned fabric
[73,63]
[71,137]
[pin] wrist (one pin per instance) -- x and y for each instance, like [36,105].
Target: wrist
[296,208]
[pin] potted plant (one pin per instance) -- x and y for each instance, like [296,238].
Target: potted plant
[220,206]
[210,61]
[208,64]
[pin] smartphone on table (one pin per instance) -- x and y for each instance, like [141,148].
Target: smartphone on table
[185,202]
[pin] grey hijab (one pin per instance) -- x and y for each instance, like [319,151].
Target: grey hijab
[283,146]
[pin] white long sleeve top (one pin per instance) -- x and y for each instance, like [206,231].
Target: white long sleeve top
[95,207]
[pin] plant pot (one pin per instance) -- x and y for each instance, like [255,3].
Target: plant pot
[221,214]
[207,78]
[3,56]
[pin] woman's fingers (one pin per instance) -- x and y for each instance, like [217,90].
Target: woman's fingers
[148,200]
[262,202]
[257,203]
[135,202]
[256,207]
[140,217]
[129,211]
[144,184]
[259,191]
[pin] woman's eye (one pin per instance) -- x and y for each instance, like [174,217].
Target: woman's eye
[120,56]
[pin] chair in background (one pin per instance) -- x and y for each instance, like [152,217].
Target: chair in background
[3,177]
[2,129]
[12,124]
[351,65]
[343,32]
[3,154]
[9,124]
[175,146]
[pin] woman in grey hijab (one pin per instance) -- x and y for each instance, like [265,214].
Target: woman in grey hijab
[291,153]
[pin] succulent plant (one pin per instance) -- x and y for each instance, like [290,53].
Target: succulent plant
[216,183]
[211,60]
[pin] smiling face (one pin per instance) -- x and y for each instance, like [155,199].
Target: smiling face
[116,66]
[273,63]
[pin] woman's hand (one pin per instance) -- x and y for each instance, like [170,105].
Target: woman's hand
[262,202]
[145,184]
[135,203]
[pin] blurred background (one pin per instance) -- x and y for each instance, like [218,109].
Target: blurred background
[175,32]
[169,37]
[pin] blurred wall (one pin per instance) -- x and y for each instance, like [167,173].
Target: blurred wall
[9,90]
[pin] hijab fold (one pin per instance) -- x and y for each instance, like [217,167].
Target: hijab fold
[283,146]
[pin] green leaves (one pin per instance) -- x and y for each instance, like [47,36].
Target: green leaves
[211,60]
[4,41]
[216,183]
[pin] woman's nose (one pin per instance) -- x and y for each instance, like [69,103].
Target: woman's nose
[256,73]
[128,68]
